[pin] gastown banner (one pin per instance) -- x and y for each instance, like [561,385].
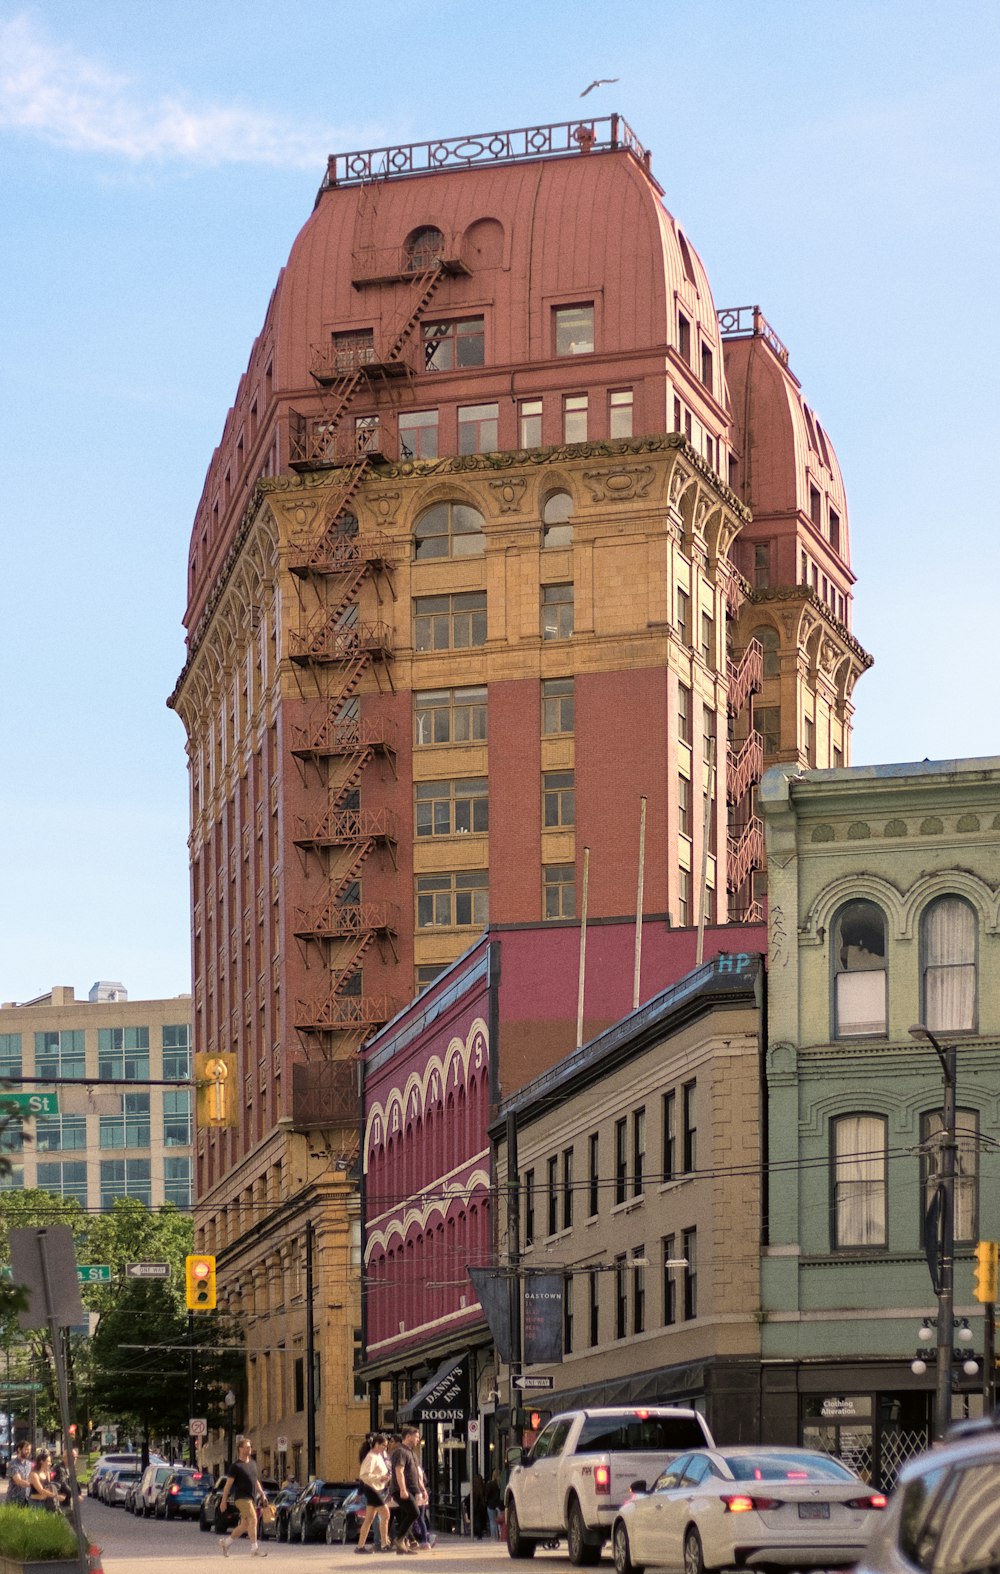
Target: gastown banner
[543,1318]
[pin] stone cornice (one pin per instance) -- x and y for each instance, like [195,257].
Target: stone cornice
[808,597]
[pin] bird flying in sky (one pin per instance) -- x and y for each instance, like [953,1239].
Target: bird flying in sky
[600,82]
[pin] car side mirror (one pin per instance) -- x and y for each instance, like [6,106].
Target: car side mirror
[637,1486]
[515,1456]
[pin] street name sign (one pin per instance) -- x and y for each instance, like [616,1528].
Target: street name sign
[147,1270]
[526,1381]
[94,1272]
[32,1103]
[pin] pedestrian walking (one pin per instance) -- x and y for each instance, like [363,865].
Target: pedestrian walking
[493,1501]
[41,1492]
[375,1473]
[406,1478]
[242,1484]
[17,1475]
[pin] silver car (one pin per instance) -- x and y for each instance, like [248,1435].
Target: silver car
[943,1512]
[749,1507]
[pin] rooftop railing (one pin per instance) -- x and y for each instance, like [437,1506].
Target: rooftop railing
[749,322]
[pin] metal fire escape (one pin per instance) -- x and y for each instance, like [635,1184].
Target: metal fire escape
[745,841]
[339,649]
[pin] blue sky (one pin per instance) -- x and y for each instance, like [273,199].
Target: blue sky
[836,163]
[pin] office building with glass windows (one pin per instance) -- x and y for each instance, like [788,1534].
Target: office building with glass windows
[506,529]
[104,1141]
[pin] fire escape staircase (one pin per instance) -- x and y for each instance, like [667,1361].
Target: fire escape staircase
[745,841]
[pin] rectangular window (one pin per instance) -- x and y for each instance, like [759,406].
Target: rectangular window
[684,337]
[449,716]
[530,423]
[638,1290]
[459,900]
[708,730]
[708,640]
[767,720]
[575,418]
[529,1207]
[177,1119]
[683,616]
[966,1168]
[621,1298]
[684,806]
[123,1053]
[683,713]
[64,1179]
[567,1314]
[815,506]
[593,1174]
[418,434]
[669,1135]
[557,611]
[60,1054]
[558,708]
[449,622]
[669,1280]
[567,1189]
[354,348]
[59,1133]
[178,1180]
[558,799]
[10,1056]
[689,1251]
[638,1152]
[553,1195]
[621,1159]
[574,329]
[559,890]
[762,565]
[810,740]
[477,428]
[593,1308]
[458,808]
[130,1128]
[706,366]
[684,897]
[452,345]
[125,1178]
[859,1181]
[835,531]
[426,975]
[690,1119]
[620,413]
[177,1051]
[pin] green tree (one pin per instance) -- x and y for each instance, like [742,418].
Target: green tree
[28,1352]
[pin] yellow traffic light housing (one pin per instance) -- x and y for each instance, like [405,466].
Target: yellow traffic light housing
[987,1258]
[215,1081]
[199,1283]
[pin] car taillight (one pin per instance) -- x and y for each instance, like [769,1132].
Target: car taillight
[174,1491]
[876,1500]
[740,1503]
[602,1479]
[196,1476]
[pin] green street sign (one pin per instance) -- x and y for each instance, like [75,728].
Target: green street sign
[20,1388]
[94,1272]
[32,1103]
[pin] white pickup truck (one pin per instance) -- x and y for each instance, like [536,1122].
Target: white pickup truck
[581,1467]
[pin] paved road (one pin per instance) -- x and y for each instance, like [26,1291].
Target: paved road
[131,1544]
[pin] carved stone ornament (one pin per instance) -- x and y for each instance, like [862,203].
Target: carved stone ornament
[822,833]
[509,493]
[384,505]
[932,826]
[302,521]
[679,483]
[859,831]
[620,483]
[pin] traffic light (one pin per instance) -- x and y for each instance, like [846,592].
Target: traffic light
[987,1254]
[199,1283]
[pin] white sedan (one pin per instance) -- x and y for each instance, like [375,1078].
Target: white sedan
[746,1508]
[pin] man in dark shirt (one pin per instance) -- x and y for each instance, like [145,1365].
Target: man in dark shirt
[242,1484]
[406,1480]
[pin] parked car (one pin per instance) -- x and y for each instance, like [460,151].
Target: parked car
[182,1493]
[344,1523]
[720,1508]
[104,1464]
[207,1512]
[282,1501]
[307,1519]
[942,1513]
[117,1483]
[580,1468]
[150,1483]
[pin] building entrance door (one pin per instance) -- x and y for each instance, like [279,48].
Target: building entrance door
[874,1434]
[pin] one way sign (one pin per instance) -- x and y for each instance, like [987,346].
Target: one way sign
[147,1270]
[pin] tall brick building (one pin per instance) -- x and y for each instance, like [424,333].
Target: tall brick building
[475,570]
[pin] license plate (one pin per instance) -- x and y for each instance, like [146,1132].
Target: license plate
[814,1511]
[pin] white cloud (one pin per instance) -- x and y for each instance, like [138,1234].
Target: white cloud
[49,91]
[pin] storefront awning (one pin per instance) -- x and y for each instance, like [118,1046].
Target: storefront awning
[444,1397]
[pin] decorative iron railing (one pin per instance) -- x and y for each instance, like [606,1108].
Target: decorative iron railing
[348,920]
[327,642]
[330,1013]
[749,322]
[325,1093]
[329,737]
[484,147]
[316,440]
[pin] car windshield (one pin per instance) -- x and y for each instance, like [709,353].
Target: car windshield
[786,1467]
[639,1434]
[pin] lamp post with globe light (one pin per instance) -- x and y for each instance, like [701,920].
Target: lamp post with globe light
[939,1229]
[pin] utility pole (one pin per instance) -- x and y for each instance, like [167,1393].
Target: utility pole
[945,1198]
[310,1358]
[192,1441]
[514,1259]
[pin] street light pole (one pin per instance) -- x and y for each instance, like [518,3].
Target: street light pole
[946,1262]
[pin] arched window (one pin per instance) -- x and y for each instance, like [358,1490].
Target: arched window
[557,512]
[423,247]
[448,530]
[860,978]
[770,643]
[859,1181]
[948,957]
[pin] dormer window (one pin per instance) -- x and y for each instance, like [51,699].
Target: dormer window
[574,328]
[423,248]
[815,506]
[706,366]
[835,531]
[684,337]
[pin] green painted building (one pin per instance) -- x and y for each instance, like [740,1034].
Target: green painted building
[884,913]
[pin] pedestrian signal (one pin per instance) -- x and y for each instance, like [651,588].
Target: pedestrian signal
[987,1255]
[199,1281]
[215,1081]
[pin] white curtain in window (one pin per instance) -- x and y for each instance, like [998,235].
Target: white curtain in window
[950,966]
[861,1004]
[859,1184]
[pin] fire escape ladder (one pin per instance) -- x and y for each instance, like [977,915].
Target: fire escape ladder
[746,769]
[427,283]
[746,849]
[745,677]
